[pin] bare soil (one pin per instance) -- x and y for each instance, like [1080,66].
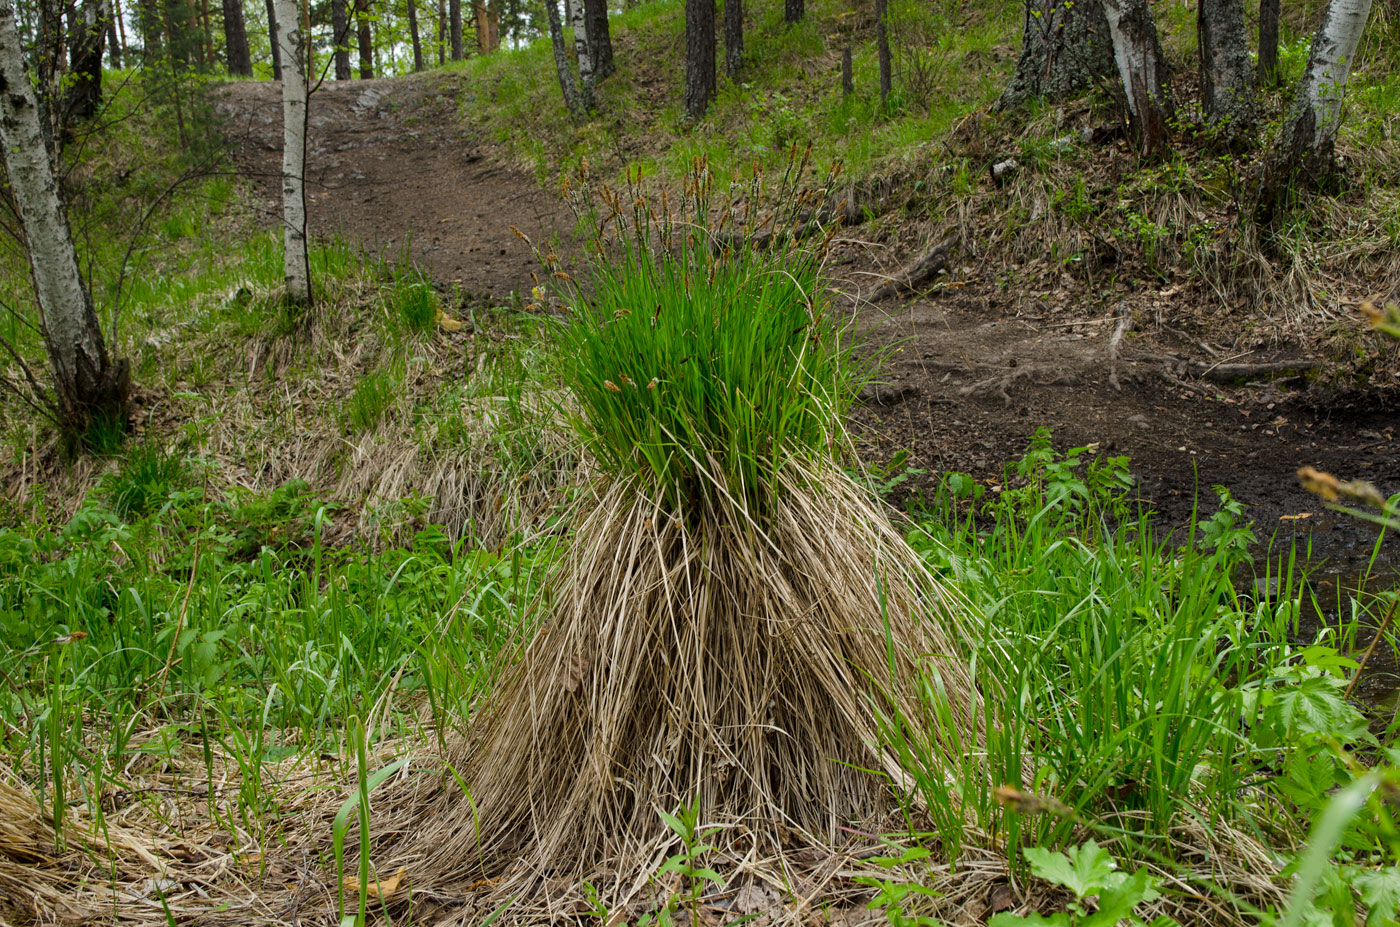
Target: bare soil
[975,366]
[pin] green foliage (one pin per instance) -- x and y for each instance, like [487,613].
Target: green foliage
[893,894]
[704,375]
[149,476]
[1103,896]
[366,406]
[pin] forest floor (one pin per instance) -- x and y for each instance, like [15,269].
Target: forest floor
[975,367]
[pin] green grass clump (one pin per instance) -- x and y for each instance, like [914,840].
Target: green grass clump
[371,399]
[702,374]
[148,476]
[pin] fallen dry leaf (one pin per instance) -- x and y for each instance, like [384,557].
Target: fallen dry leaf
[381,889]
[1295,517]
[447,323]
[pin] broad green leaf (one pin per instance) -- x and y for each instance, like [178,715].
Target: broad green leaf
[1380,893]
[1029,920]
[1084,870]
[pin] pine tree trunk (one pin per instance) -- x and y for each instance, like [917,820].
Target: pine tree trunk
[455,8]
[733,38]
[1143,71]
[561,62]
[1307,146]
[276,47]
[1268,43]
[793,11]
[240,58]
[413,35]
[366,39]
[1065,50]
[595,15]
[699,57]
[848,85]
[882,45]
[340,29]
[296,266]
[1227,79]
[87,383]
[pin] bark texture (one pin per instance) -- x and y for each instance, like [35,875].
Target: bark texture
[733,38]
[340,31]
[1307,145]
[89,36]
[296,267]
[582,52]
[1227,79]
[240,57]
[561,62]
[454,12]
[1143,71]
[793,11]
[699,57]
[595,15]
[1268,42]
[1065,50]
[87,383]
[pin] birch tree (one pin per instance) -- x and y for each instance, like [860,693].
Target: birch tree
[296,264]
[579,23]
[1309,138]
[88,384]
[1143,70]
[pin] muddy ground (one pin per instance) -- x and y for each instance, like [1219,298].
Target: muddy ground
[975,368]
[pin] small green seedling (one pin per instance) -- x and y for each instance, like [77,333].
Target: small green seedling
[1090,872]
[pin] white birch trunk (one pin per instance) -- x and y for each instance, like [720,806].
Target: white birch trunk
[1325,80]
[585,54]
[87,382]
[1142,68]
[296,262]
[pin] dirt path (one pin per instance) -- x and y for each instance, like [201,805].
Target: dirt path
[388,168]
[975,370]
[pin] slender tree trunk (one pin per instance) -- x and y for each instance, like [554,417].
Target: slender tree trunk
[793,11]
[310,41]
[1268,43]
[561,62]
[240,58]
[848,85]
[455,9]
[595,15]
[296,265]
[114,42]
[1307,146]
[413,34]
[1065,50]
[1143,70]
[699,57]
[882,44]
[340,29]
[366,39]
[87,383]
[442,32]
[1227,79]
[206,35]
[84,94]
[733,38]
[276,47]
[119,54]
[579,25]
